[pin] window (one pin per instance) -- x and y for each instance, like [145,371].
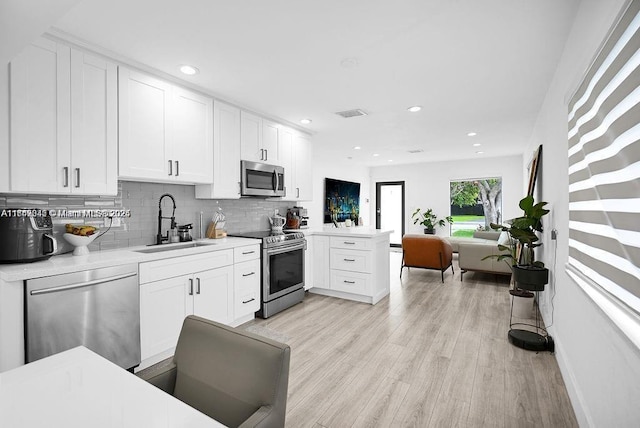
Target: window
[604,177]
[475,204]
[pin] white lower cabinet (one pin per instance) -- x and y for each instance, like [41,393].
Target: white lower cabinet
[247,272]
[246,288]
[209,285]
[164,305]
[351,267]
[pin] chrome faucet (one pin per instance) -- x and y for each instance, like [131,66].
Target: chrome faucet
[159,236]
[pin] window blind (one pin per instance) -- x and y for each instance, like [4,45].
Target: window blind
[604,169]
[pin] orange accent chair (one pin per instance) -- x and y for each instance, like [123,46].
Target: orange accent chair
[426,252]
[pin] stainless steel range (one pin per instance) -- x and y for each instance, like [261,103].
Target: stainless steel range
[282,270]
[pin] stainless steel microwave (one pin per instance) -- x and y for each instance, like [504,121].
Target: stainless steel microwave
[261,179]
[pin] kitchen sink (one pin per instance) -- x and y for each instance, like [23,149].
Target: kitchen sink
[171,247]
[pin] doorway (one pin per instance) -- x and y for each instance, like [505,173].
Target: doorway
[390,209]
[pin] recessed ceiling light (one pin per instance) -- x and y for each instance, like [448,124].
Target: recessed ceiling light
[189,70]
[472,134]
[477,145]
[414,109]
[390,160]
[357,148]
[305,121]
[376,154]
[479,152]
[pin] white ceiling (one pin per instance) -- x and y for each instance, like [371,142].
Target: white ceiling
[481,66]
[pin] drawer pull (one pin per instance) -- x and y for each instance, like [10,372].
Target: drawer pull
[349,282]
[248,274]
[244,253]
[349,260]
[349,243]
[250,300]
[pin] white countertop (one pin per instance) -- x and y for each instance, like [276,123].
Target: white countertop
[66,263]
[78,388]
[362,231]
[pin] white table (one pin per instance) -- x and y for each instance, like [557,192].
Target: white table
[78,388]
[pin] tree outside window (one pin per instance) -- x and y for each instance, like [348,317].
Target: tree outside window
[475,204]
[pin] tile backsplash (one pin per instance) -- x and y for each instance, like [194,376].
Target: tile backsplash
[243,215]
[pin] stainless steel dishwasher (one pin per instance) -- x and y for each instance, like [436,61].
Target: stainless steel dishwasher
[99,309]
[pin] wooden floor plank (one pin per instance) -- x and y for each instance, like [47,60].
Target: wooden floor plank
[429,354]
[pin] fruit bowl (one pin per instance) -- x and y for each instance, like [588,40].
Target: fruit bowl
[80,242]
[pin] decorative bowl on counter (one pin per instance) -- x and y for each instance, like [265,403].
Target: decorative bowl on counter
[80,242]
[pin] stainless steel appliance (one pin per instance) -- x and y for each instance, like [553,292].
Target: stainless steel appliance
[26,235]
[99,309]
[184,232]
[282,270]
[261,179]
[297,218]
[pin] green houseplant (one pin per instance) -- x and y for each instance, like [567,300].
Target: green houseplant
[429,220]
[529,274]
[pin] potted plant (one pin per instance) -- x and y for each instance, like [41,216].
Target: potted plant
[528,274]
[429,220]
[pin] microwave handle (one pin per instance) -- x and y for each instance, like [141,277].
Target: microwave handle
[274,180]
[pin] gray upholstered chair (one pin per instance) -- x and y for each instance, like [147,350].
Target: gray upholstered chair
[238,378]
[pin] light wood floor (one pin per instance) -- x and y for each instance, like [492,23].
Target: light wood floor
[430,354]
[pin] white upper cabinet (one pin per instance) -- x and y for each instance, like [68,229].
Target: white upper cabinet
[143,112]
[251,137]
[226,154]
[191,146]
[285,151]
[166,132]
[270,142]
[94,125]
[302,171]
[63,121]
[259,139]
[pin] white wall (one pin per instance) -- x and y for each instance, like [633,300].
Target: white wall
[601,368]
[326,165]
[427,185]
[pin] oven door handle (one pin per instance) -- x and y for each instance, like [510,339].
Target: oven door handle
[286,248]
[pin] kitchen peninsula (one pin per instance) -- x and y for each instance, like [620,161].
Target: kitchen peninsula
[350,263]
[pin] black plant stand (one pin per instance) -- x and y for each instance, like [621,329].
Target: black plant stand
[538,340]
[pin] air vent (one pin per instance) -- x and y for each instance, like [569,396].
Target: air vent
[352,113]
[415,151]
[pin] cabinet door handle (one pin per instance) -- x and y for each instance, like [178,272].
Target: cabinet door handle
[250,300]
[349,243]
[349,282]
[349,260]
[190,287]
[248,274]
[177,168]
[297,192]
[266,154]
[66,176]
[261,154]
[170,167]
[197,285]
[77,177]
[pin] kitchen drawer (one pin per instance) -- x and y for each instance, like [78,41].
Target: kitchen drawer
[350,282]
[351,260]
[351,243]
[246,303]
[247,275]
[177,266]
[249,252]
